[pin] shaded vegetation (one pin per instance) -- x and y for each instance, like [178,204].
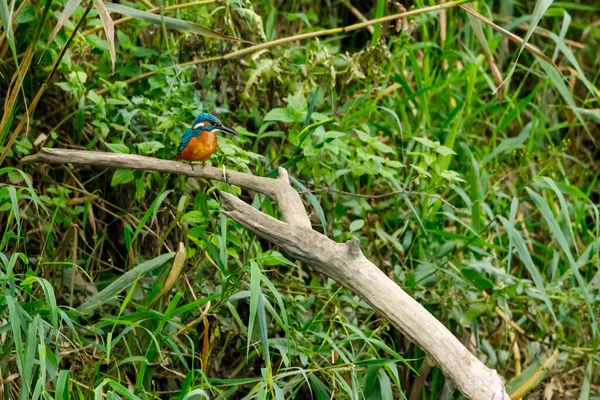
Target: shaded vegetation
[481,202]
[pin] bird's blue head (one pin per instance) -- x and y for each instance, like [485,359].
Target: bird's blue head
[208,122]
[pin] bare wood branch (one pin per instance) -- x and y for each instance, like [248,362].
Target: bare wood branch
[276,189]
[343,262]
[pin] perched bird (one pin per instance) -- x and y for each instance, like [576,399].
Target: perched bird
[199,142]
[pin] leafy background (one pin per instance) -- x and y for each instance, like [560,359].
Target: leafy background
[479,199]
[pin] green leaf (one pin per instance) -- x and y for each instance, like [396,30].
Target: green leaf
[118,148]
[123,282]
[429,158]
[451,176]
[62,386]
[140,189]
[121,176]
[445,151]
[477,279]
[521,248]
[538,12]
[195,217]
[540,367]
[558,234]
[297,102]
[356,225]
[171,23]
[424,141]
[150,147]
[26,15]
[281,115]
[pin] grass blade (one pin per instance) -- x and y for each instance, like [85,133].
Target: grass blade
[562,241]
[171,23]
[123,282]
[538,12]
[531,376]
[62,386]
[521,248]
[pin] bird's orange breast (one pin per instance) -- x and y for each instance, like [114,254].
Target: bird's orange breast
[199,148]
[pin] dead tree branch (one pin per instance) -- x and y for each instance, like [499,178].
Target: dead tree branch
[343,262]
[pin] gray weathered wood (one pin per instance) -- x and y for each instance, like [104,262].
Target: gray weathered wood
[343,262]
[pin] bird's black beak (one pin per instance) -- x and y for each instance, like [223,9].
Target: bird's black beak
[226,130]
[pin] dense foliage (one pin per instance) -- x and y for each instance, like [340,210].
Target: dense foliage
[482,203]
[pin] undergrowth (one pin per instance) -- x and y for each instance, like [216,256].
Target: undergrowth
[480,200]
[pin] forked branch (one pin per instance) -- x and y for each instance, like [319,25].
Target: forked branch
[343,262]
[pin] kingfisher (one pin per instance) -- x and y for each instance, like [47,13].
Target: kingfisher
[199,142]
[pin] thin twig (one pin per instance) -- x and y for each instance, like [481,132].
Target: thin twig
[302,36]
[358,15]
[511,36]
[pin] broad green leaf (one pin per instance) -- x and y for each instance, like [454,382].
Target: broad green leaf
[451,176]
[281,115]
[118,148]
[356,225]
[121,176]
[424,141]
[150,147]
[445,151]
[297,102]
[195,217]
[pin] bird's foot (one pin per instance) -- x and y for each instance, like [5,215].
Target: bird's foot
[224,174]
[192,165]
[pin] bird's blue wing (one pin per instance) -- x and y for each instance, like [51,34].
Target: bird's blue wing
[185,139]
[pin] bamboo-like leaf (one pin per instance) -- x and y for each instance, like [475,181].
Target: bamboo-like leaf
[169,22]
[559,83]
[123,282]
[67,12]
[564,208]
[546,212]
[531,376]
[521,247]
[62,386]
[109,29]
[255,278]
